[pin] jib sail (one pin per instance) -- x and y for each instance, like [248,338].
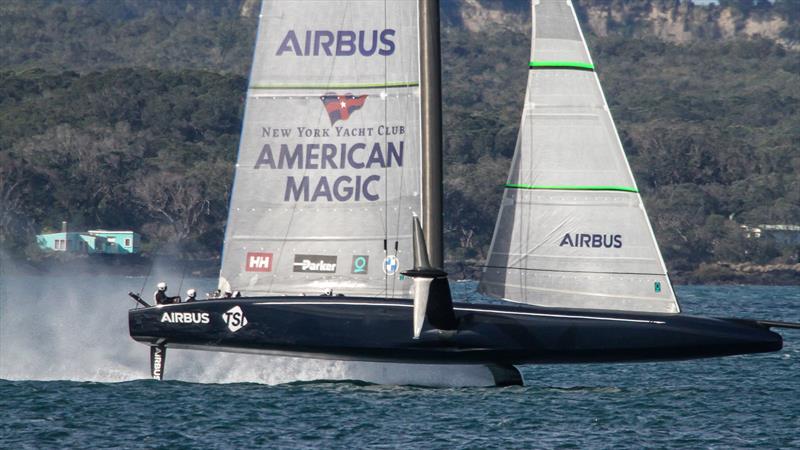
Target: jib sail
[328,174]
[572,230]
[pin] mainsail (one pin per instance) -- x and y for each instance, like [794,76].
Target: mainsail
[328,175]
[572,230]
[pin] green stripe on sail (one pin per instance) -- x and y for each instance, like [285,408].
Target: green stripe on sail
[561,64]
[398,84]
[572,188]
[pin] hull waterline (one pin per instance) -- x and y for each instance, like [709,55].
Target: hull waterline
[377,329]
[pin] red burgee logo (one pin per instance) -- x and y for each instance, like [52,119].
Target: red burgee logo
[258,262]
[340,107]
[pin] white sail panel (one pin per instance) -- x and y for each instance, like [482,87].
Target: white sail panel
[570,132]
[326,42]
[556,36]
[572,230]
[328,176]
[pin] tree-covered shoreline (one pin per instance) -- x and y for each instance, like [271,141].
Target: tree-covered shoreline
[101,133]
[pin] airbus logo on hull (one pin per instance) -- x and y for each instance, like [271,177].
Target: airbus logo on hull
[592,240]
[338,43]
[184,317]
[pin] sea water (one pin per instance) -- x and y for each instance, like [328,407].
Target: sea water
[71,377]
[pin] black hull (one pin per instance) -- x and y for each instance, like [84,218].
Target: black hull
[377,329]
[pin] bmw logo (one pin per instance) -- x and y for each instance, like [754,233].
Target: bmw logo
[390,265]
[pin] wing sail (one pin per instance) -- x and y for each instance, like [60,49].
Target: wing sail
[328,168]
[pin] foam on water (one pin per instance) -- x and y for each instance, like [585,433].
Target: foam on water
[75,328]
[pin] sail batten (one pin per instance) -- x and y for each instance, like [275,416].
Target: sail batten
[571,188]
[398,84]
[561,65]
[572,231]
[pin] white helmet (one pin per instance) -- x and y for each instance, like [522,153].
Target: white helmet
[162,286]
[191,293]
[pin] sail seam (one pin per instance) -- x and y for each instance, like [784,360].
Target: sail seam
[575,271]
[400,84]
[571,188]
[576,65]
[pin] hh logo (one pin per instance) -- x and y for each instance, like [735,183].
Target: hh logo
[235,318]
[258,262]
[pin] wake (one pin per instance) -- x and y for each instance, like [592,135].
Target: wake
[75,328]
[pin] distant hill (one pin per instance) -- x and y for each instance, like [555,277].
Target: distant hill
[669,20]
[127,113]
[217,35]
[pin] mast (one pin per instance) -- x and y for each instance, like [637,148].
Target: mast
[431,130]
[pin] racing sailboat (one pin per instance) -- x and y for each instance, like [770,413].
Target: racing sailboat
[340,159]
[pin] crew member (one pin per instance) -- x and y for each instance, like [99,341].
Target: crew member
[161,296]
[191,295]
[228,293]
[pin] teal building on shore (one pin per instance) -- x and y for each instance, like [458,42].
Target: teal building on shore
[108,242]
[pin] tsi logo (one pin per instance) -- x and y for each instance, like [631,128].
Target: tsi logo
[258,262]
[235,318]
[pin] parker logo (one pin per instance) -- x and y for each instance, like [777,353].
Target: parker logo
[185,317]
[258,262]
[234,318]
[314,263]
